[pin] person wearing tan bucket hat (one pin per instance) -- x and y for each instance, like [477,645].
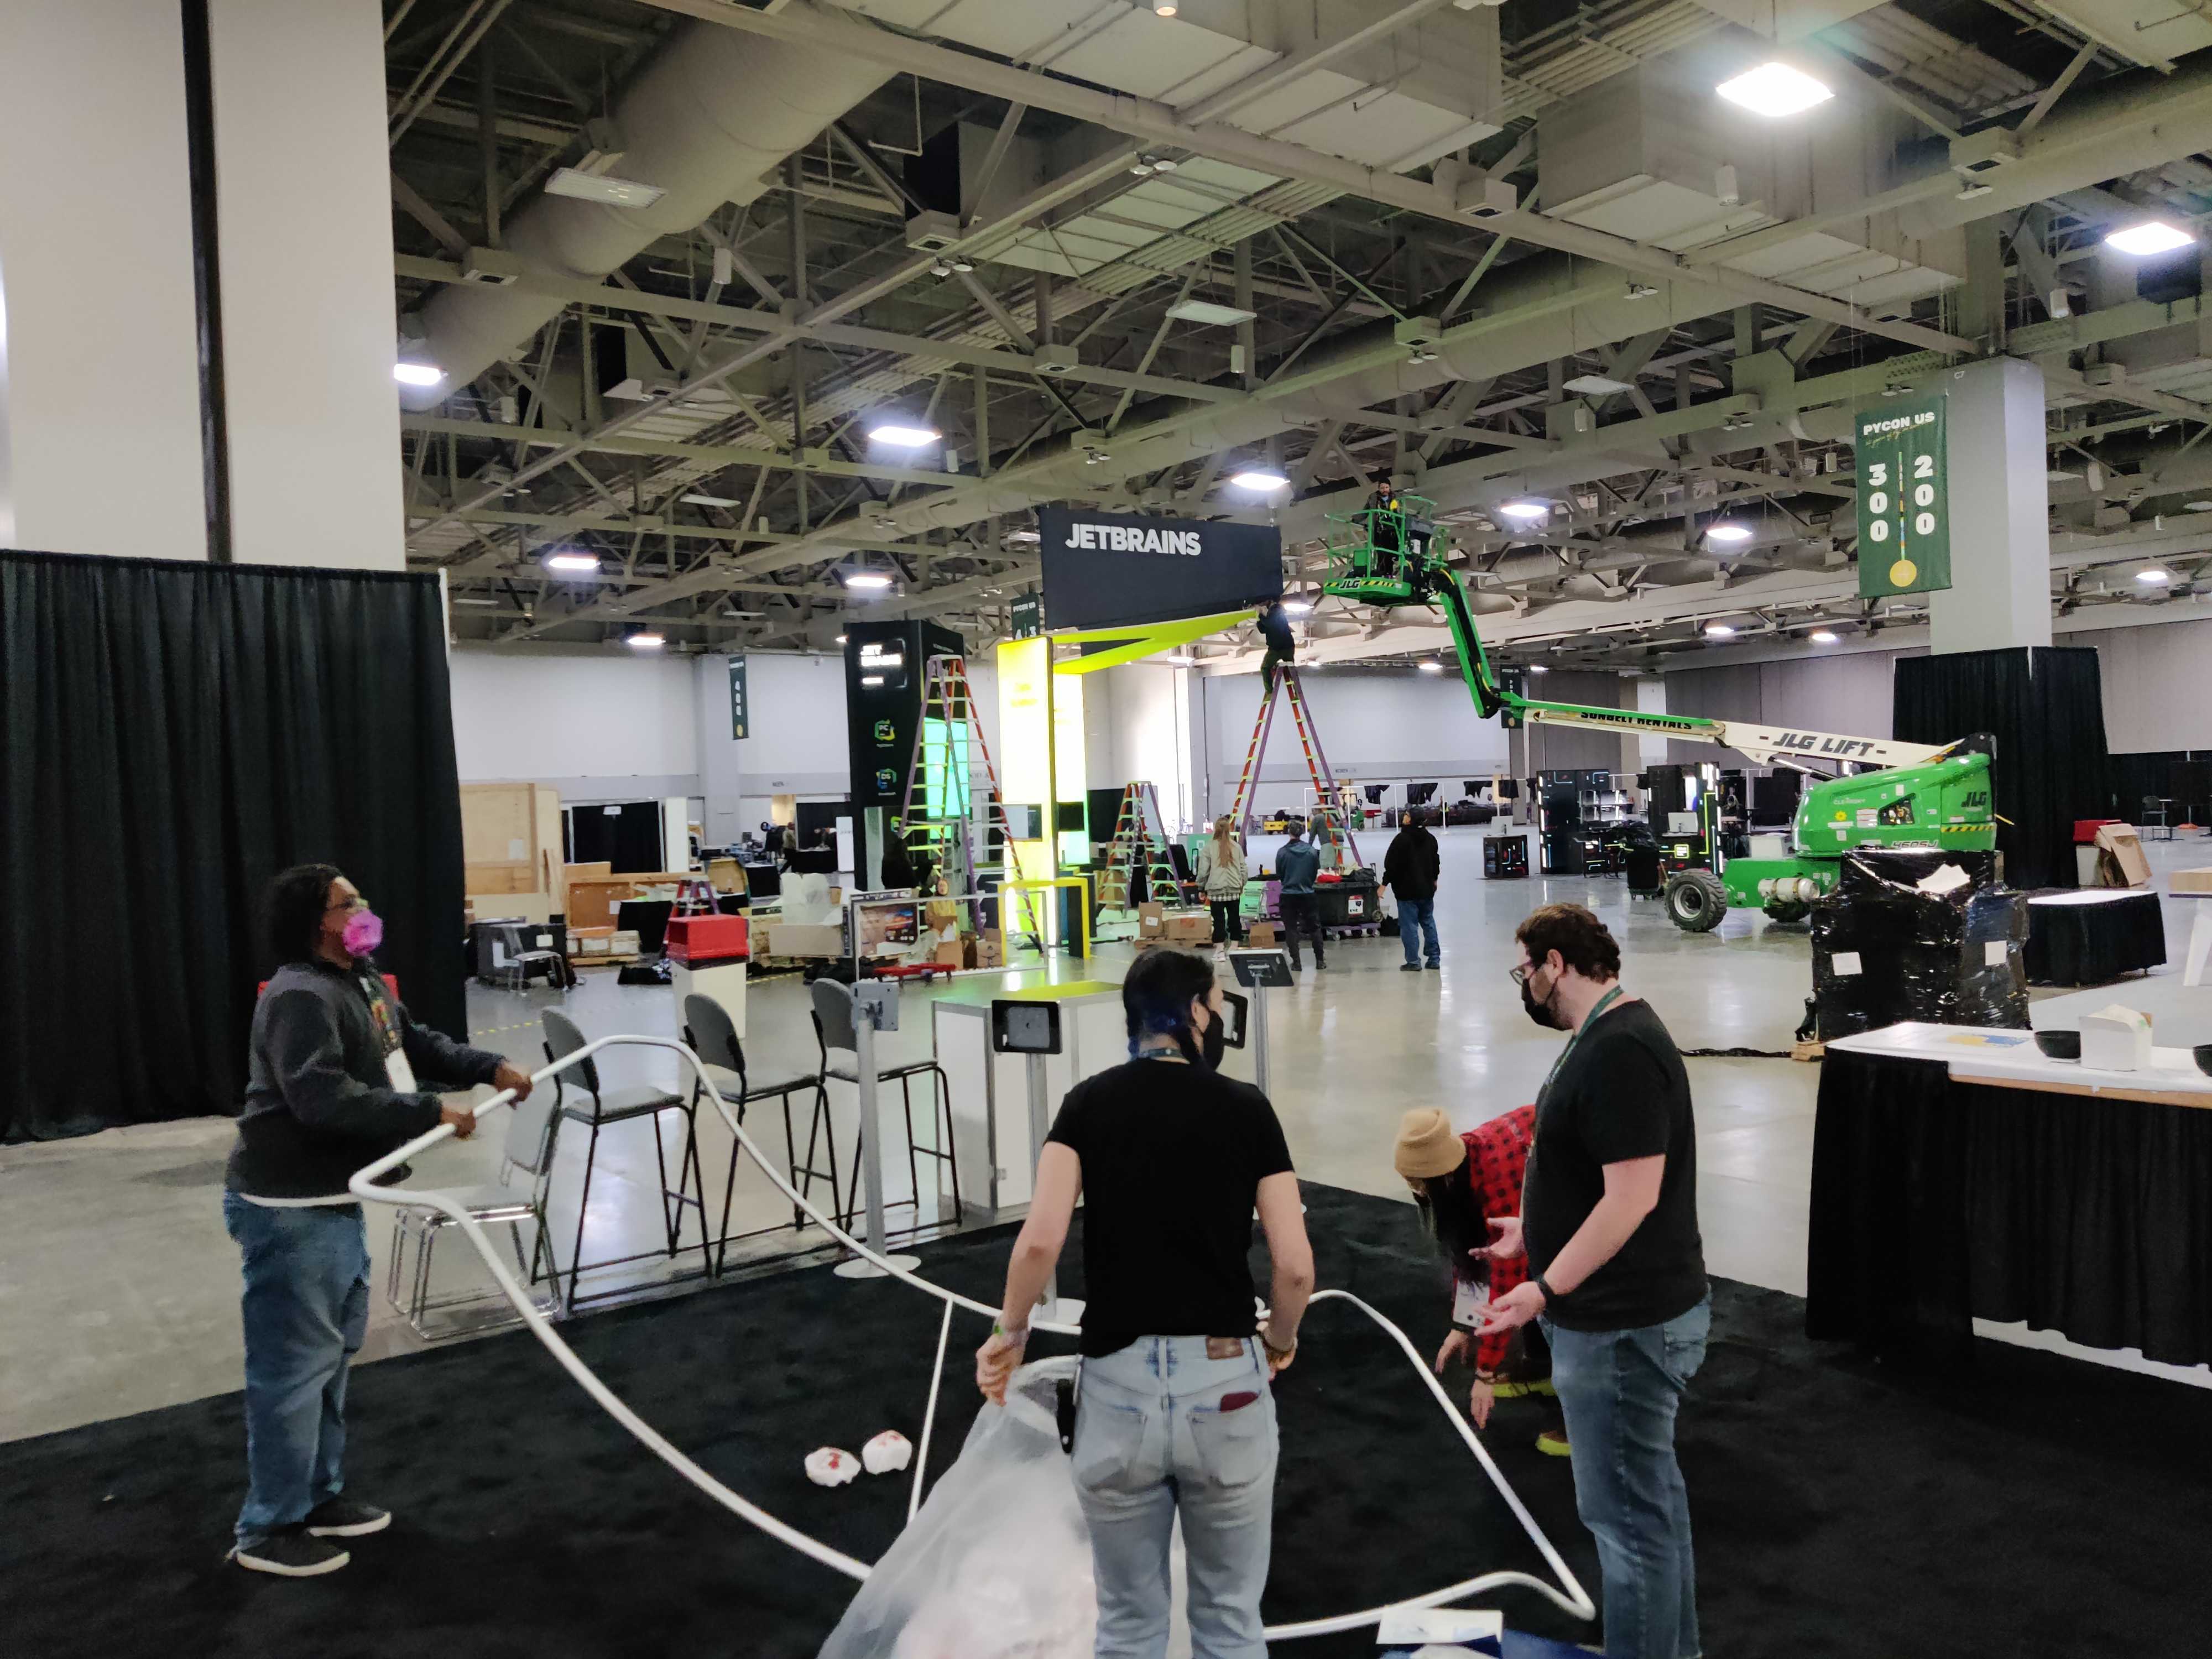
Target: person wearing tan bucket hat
[1458,1182]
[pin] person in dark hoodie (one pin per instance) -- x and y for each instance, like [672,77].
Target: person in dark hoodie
[1410,868]
[1297,867]
[1275,626]
[331,1084]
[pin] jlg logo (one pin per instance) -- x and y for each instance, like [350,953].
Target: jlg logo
[1977,797]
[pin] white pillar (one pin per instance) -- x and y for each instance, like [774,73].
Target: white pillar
[100,385]
[2000,591]
[303,191]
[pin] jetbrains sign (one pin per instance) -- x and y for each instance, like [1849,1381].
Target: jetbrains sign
[1114,569]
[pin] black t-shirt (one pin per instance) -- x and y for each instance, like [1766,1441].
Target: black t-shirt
[1621,1094]
[1172,1157]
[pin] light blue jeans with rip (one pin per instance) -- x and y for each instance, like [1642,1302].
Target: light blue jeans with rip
[1164,1428]
[1619,1390]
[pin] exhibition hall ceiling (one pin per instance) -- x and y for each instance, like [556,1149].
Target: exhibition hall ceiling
[722,321]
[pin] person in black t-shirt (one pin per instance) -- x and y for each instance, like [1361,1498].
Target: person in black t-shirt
[1175,1412]
[1617,1272]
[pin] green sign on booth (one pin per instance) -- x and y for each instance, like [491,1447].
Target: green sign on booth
[1904,498]
[738,719]
[1028,617]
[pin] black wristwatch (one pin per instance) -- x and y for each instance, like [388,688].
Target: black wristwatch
[1550,1295]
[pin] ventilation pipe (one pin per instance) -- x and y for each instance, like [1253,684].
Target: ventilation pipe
[711,113]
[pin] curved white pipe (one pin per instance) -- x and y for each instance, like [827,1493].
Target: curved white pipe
[929,1417]
[362,1186]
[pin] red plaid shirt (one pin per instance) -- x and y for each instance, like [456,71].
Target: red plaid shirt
[1499,1156]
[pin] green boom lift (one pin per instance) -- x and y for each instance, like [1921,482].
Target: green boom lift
[1923,795]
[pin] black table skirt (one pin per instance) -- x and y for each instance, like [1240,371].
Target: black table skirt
[2092,944]
[1936,1202]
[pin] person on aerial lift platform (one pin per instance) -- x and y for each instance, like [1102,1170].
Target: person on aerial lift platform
[1385,530]
[1274,625]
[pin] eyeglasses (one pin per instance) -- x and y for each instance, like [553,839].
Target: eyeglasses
[356,902]
[1520,975]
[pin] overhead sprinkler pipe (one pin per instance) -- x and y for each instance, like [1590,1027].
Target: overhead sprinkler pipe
[1574,1599]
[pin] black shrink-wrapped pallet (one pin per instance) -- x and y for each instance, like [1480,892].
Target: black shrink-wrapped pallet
[1886,949]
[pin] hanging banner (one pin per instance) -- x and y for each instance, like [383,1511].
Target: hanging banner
[1106,570]
[1028,617]
[1904,498]
[738,728]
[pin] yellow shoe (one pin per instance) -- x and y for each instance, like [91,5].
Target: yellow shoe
[1553,1444]
[1517,1390]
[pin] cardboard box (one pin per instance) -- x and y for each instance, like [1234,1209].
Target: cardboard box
[792,939]
[988,954]
[1152,919]
[2115,1039]
[2120,860]
[1188,926]
[2193,881]
[1262,932]
[726,875]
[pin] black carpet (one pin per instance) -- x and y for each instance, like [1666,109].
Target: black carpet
[2038,1505]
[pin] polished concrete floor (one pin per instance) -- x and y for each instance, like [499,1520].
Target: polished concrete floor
[119,1288]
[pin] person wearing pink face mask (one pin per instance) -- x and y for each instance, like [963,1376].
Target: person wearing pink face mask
[333,1076]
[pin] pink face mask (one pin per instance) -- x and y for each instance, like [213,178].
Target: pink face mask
[364,931]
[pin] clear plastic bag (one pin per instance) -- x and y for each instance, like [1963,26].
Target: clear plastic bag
[997,1564]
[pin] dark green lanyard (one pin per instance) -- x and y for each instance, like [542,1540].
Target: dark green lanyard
[1589,1020]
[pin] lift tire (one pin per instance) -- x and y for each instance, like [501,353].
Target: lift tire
[1696,900]
[1788,911]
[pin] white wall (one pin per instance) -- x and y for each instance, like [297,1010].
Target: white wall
[303,195]
[595,727]
[101,376]
[2158,685]
[1851,695]
[797,745]
[1374,726]
[1148,735]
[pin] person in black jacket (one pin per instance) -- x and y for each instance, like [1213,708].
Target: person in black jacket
[1410,869]
[331,1074]
[1274,625]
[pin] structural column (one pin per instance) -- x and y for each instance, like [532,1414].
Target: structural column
[2000,593]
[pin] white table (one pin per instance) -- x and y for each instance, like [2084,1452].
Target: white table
[1977,1055]
[2200,939]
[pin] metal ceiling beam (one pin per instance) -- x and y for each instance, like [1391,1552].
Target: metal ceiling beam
[1307,58]
[539,437]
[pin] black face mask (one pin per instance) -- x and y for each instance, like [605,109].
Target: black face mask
[1214,1043]
[1541,1011]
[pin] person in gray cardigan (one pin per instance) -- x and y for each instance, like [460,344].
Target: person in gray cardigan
[1297,867]
[332,1070]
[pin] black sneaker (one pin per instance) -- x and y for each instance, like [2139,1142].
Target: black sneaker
[1411,968]
[345,1517]
[290,1554]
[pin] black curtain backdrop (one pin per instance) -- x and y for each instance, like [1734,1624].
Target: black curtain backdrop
[2044,707]
[172,735]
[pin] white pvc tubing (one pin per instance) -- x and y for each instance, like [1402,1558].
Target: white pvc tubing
[1576,1602]
[929,1417]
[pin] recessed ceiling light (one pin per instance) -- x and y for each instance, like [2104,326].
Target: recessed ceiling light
[1180,660]
[2151,236]
[1297,607]
[1259,478]
[867,579]
[417,373]
[1822,636]
[2197,507]
[646,641]
[2155,576]
[577,563]
[1718,630]
[1775,89]
[1163,8]
[707,500]
[903,437]
[1432,668]
[1728,532]
[1204,311]
[1599,385]
[1526,511]
[598,187]
[1540,668]
[841,639]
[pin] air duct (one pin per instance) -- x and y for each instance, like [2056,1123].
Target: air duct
[711,113]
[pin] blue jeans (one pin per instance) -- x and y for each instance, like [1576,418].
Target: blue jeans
[1160,1427]
[307,1309]
[1421,913]
[1619,1389]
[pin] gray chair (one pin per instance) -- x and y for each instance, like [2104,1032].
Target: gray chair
[579,1098]
[834,1031]
[709,1030]
[2156,815]
[512,960]
[531,1127]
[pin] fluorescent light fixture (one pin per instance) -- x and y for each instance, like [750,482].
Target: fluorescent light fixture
[904,437]
[2197,507]
[417,373]
[1598,385]
[2156,576]
[1526,511]
[1432,668]
[1259,478]
[2151,236]
[867,579]
[1728,532]
[1822,636]
[841,639]
[573,563]
[598,187]
[1204,311]
[646,641]
[707,500]
[1540,668]
[1297,607]
[1180,660]
[1775,89]
[1022,536]
[1718,631]
[475,602]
